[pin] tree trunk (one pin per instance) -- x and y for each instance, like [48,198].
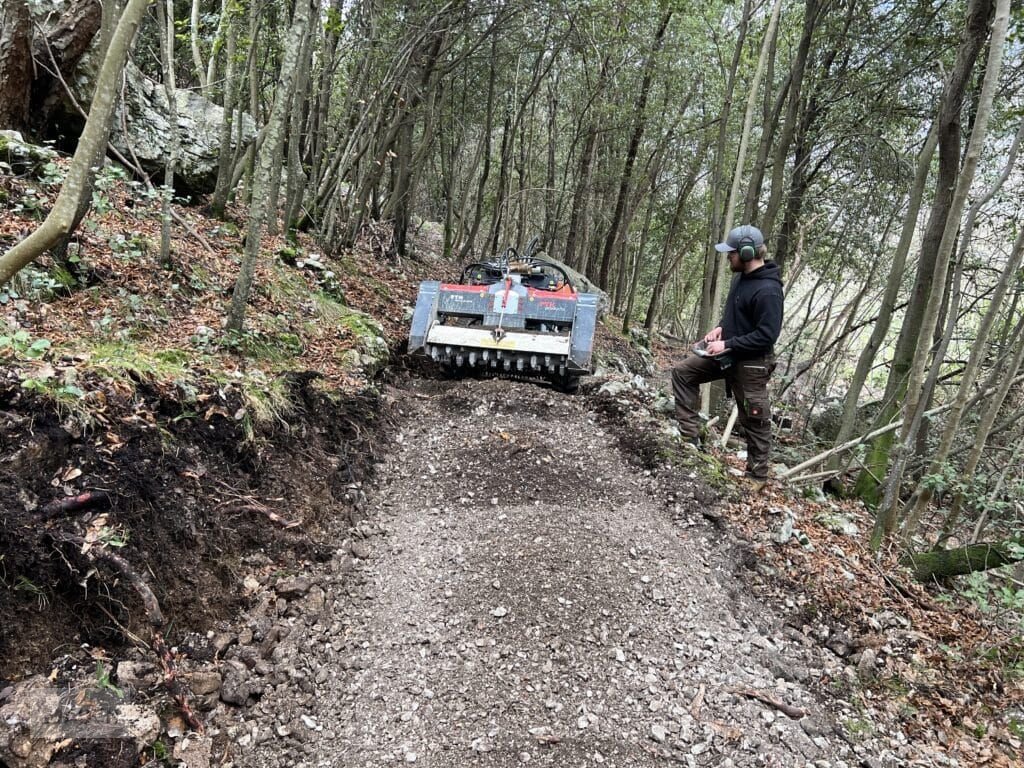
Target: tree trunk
[708,310]
[580,199]
[668,264]
[813,9]
[297,180]
[948,127]
[226,164]
[165,17]
[892,287]
[78,185]
[469,243]
[886,518]
[982,433]
[15,64]
[197,56]
[719,266]
[979,346]
[265,166]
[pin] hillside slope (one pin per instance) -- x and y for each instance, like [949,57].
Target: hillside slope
[276,491]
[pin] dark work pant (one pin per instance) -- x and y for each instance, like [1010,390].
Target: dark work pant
[748,380]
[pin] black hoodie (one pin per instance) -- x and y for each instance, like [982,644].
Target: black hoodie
[752,319]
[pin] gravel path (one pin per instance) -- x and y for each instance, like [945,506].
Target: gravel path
[521,594]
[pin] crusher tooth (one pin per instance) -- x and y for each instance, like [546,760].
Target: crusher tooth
[515,316]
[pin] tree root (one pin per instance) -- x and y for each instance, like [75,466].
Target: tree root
[179,692]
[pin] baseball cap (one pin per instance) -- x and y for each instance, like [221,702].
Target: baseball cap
[746,234]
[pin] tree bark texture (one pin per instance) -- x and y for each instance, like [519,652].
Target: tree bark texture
[15,64]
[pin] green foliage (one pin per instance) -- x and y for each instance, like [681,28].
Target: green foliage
[30,205]
[22,345]
[103,681]
[106,178]
[132,247]
[261,345]
[128,363]
[941,481]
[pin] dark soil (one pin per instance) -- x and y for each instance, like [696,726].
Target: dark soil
[189,495]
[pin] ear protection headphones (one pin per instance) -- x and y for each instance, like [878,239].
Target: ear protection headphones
[747,249]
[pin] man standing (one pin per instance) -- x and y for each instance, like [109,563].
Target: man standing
[740,350]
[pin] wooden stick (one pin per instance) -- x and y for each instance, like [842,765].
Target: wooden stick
[783,707]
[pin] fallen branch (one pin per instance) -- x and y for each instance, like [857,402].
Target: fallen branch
[783,707]
[946,563]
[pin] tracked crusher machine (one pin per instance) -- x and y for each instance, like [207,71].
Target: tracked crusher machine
[515,316]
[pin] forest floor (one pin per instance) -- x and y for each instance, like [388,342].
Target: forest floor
[360,563]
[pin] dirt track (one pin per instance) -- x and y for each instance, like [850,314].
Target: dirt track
[526,595]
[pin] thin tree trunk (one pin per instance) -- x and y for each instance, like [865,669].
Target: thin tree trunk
[983,431]
[296,175]
[640,124]
[813,9]
[165,17]
[948,127]
[668,263]
[197,56]
[468,244]
[748,118]
[708,310]
[892,287]
[225,166]
[268,156]
[61,220]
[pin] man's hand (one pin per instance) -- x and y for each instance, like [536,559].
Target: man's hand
[715,348]
[715,335]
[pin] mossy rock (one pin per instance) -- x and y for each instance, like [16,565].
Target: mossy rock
[371,346]
[22,157]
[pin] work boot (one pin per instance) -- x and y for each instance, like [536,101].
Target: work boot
[695,443]
[757,464]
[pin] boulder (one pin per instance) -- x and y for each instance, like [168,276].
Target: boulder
[148,133]
[40,721]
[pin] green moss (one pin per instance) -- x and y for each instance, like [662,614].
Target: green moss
[859,728]
[127,362]
[274,348]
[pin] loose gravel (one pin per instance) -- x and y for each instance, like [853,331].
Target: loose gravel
[519,593]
